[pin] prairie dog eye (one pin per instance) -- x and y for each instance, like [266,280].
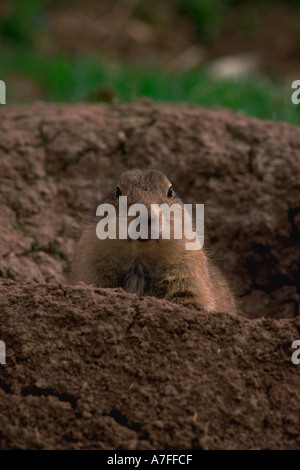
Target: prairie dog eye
[170,192]
[118,192]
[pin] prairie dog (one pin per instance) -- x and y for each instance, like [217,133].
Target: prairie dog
[163,268]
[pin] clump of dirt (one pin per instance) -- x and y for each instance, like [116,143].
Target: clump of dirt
[96,368]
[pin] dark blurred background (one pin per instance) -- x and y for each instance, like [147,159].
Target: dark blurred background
[239,54]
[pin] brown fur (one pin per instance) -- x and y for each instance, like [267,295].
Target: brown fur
[161,268]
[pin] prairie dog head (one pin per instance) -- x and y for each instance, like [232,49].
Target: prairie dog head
[145,208]
[146,187]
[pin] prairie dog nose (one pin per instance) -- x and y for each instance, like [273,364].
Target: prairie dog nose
[146,230]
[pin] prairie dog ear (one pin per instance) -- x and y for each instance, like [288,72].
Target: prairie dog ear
[118,192]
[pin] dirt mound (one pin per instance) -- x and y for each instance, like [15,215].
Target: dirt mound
[94,368]
[58,161]
[98,368]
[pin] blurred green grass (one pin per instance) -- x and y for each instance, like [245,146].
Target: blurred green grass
[63,79]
